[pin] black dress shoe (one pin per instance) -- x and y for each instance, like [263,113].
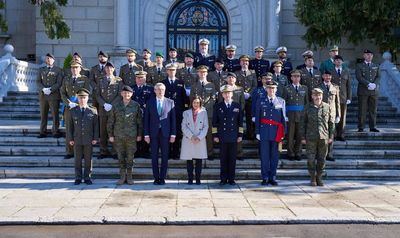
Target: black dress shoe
[330,158]
[222,182]
[162,181]
[156,182]
[232,182]
[198,182]
[42,136]
[341,139]
[115,157]
[273,182]
[360,130]
[210,158]
[77,181]
[88,181]
[190,181]
[373,130]
[297,157]
[264,182]
[68,156]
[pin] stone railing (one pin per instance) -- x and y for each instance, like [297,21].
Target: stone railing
[390,80]
[16,75]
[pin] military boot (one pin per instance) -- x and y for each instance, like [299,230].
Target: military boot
[129,179]
[313,181]
[319,180]
[122,175]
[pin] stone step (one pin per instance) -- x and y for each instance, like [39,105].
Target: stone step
[50,141]
[248,153]
[57,161]
[241,174]
[15,93]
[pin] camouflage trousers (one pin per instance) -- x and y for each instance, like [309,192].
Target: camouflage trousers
[126,148]
[316,151]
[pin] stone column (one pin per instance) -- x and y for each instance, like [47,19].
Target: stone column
[121,33]
[274,9]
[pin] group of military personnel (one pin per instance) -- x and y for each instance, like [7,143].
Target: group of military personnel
[304,105]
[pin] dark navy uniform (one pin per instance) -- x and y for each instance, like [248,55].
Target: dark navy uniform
[270,128]
[176,91]
[208,61]
[231,65]
[227,126]
[261,66]
[141,95]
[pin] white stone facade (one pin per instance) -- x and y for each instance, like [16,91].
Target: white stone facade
[113,25]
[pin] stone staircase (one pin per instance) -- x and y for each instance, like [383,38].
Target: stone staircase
[363,156]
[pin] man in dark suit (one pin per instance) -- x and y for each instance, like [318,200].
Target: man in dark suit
[159,130]
[142,93]
[228,131]
[175,90]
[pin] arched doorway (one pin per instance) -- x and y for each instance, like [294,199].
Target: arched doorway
[191,20]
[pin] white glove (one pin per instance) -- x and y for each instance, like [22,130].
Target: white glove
[286,119]
[187,91]
[46,91]
[253,119]
[258,136]
[337,120]
[72,105]
[246,95]
[107,107]
[348,101]
[371,86]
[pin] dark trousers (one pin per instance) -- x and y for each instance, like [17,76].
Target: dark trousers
[228,154]
[196,167]
[85,152]
[175,147]
[269,156]
[294,139]
[68,148]
[142,149]
[155,144]
[209,139]
[367,104]
[54,106]
[342,124]
[250,127]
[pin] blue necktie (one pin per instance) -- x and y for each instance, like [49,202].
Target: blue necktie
[159,107]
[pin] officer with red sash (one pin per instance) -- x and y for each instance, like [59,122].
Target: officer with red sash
[270,131]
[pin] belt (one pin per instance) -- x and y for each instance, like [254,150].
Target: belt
[280,132]
[294,108]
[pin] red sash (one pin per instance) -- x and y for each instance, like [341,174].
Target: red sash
[280,132]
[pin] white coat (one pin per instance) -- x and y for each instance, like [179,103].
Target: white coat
[190,128]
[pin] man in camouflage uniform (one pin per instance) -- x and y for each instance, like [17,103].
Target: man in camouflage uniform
[69,88]
[331,97]
[158,73]
[279,78]
[248,81]
[49,82]
[367,74]
[108,95]
[127,71]
[317,132]
[82,134]
[218,76]
[341,76]
[310,76]
[206,91]
[296,98]
[125,128]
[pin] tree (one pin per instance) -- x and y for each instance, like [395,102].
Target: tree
[53,20]
[328,21]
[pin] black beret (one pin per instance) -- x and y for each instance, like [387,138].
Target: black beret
[327,72]
[367,51]
[338,57]
[109,64]
[219,60]
[127,88]
[103,54]
[77,54]
[50,55]
[173,49]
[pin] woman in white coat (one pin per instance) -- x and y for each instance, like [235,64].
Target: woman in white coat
[194,129]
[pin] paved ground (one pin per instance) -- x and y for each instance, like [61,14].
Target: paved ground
[58,201]
[216,231]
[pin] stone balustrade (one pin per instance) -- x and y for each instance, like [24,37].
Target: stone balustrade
[390,80]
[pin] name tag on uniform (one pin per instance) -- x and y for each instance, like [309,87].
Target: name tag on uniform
[236,110]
